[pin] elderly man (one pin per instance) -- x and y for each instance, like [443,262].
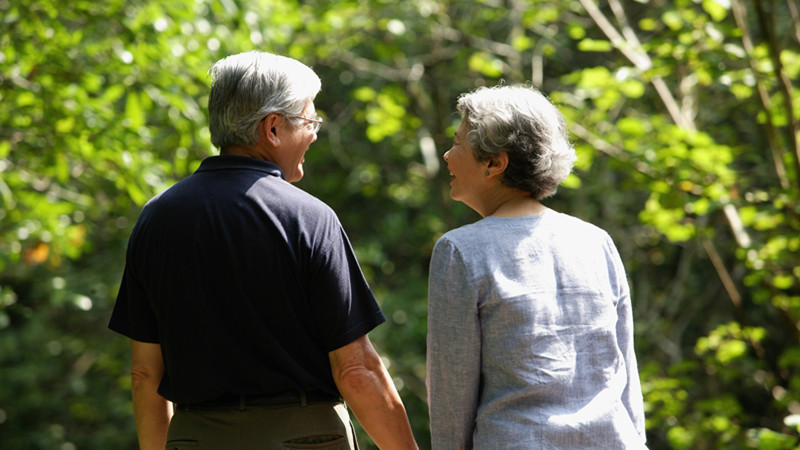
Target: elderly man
[246,308]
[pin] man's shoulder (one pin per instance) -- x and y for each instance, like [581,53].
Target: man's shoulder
[292,198]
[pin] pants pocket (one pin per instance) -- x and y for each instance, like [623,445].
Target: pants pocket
[182,444]
[322,441]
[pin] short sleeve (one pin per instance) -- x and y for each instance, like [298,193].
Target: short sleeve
[344,307]
[132,315]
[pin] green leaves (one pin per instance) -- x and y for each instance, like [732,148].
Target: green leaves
[683,133]
[729,342]
[384,112]
[717,9]
[486,65]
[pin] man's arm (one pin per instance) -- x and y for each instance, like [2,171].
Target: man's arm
[368,390]
[151,411]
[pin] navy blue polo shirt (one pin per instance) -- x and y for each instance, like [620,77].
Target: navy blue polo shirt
[246,281]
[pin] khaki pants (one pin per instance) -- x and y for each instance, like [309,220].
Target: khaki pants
[314,426]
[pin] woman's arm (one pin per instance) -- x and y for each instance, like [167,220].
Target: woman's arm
[454,350]
[632,396]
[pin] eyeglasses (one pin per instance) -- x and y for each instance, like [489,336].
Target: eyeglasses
[316,122]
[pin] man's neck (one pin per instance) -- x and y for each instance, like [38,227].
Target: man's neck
[235,150]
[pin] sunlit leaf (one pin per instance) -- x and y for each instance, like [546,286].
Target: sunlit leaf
[673,20]
[485,65]
[594,45]
[716,9]
[133,111]
[731,350]
[572,182]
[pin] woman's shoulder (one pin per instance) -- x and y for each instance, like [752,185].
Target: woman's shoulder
[569,233]
[567,224]
[468,233]
[553,226]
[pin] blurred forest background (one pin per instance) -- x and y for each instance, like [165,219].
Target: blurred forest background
[684,114]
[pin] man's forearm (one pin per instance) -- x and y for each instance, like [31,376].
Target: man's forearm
[369,392]
[153,414]
[151,411]
[372,397]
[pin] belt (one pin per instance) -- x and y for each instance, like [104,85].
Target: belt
[241,401]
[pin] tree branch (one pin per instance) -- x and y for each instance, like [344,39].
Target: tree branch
[611,150]
[724,276]
[795,18]
[632,49]
[767,23]
[739,15]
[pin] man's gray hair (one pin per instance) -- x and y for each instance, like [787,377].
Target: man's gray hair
[521,121]
[247,87]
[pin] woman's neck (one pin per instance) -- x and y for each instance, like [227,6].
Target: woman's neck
[518,205]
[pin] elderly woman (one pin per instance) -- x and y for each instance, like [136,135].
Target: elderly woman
[530,332]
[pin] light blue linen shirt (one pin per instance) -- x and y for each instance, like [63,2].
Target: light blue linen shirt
[530,338]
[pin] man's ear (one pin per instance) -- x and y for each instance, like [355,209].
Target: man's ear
[498,163]
[268,129]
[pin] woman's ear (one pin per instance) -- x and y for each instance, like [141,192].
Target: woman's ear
[498,163]
[268,129]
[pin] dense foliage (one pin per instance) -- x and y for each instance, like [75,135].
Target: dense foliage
[684,114]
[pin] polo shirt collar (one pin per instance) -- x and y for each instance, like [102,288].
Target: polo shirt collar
[231,162]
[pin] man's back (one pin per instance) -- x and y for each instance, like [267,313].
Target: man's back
[231,270]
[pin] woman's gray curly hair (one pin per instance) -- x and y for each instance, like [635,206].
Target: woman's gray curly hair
[521,121]
[247,87]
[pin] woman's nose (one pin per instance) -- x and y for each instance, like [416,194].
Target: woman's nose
[445,155]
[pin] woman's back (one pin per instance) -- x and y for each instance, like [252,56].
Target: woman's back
[553,323]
